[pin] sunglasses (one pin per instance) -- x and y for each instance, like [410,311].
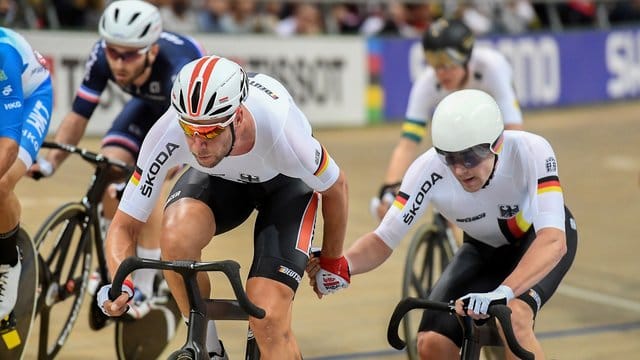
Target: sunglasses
[444,59]
[208,131]
[127,56]
[469,158]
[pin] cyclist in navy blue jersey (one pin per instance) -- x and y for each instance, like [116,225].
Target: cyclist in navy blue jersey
[142,59]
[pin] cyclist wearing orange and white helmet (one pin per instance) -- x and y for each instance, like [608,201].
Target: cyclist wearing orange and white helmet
[454,64]
[249,147]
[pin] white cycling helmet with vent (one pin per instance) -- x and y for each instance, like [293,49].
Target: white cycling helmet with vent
[464,119]
[131,23]
[208,88]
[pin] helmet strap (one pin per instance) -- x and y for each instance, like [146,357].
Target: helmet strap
[495,161]
[233,138]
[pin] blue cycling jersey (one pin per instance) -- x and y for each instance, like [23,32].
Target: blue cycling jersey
[26,95]
[175,51]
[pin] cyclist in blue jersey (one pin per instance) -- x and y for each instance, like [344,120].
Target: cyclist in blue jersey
[137,55]
[26,98]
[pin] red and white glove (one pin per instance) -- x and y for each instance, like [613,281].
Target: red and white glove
[333,275]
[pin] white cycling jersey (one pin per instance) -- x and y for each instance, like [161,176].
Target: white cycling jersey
[284,145]
[524,191]
[489,71]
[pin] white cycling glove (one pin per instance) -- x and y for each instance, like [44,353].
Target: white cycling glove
[103,294]
[46,168]
[479,302]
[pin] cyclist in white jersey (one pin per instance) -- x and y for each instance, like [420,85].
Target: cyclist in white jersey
[26,100]
[454,64]
[502,189]
[249,147]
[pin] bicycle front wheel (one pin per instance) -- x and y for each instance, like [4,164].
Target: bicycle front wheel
[429,253]
[64,244]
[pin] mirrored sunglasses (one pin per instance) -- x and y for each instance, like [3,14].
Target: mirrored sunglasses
[208,131]
[127,56]
[444,58]
[468,158]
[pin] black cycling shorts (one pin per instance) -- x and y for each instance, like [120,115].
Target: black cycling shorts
[478,267]
[284,226]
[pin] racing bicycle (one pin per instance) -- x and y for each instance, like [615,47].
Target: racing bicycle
[66,242]
[202,310]
[475,336]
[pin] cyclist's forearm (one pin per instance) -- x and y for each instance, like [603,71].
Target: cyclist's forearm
[8,154]
[367,253]
[121,240]
[542,256]
[70,131]
[402,156]
[334,213]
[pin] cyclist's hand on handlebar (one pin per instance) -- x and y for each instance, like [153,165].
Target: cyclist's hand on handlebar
[477,304]
[333,275]
[118,306]
[41,168]
[313,266]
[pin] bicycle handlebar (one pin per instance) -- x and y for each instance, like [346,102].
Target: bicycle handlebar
[229,267]
[501,312]
[87,155]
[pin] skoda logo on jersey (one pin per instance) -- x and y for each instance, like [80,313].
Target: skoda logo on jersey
[149,180]
[508,211]
[419,198]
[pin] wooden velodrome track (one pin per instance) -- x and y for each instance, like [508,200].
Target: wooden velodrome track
[594,315]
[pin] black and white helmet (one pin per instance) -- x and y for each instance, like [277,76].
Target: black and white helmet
[130,23]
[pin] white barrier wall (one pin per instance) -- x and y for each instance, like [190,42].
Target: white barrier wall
[326,76]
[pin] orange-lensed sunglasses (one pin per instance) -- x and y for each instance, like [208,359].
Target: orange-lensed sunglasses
[208,131]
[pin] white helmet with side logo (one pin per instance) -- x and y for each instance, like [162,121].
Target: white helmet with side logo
[208,88]
[464,119]
[131,23]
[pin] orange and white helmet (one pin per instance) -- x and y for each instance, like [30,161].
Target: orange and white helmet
[208,88]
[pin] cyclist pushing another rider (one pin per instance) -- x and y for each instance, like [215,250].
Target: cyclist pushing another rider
[502,189]
[26,100]
[142,60]
[249,147]
[454,64]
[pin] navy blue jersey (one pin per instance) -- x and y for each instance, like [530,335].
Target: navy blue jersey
[175,51]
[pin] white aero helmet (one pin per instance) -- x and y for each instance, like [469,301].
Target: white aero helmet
[464,119]
[131,23]
[208,88]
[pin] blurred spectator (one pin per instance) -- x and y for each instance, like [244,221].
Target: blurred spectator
[501,16]
[269,16]
[179,16]
[624,12]
[395,19]
[577,13]
[8,13]
[305,20]
[78,14]
[211,14]
[344,18]
[241,18]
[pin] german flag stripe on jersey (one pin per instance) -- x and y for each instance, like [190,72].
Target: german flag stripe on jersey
[135,178]
[514,228]
[401,200]
[549,184]
[413,130]
[324,162]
